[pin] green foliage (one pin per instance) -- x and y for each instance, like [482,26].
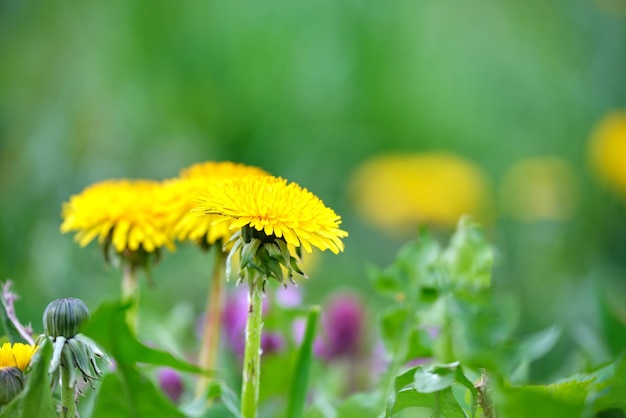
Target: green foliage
[128,391]
[431,388]
[108,327]
[446,311]
[453,348]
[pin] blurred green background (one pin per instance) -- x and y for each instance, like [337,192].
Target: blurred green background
[308,91]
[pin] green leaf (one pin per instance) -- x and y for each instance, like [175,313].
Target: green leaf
[431,388]
[360,405]
[539,344]
[386,283]
[35,400]
[300,380]
[469,257]
[392,324]
[128,393]
[221,401]
[434,379]
[419,260]
[610,388]
[442,403]
[558,400]
[108,327]
[419,345]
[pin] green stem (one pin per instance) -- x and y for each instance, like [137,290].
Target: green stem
[212,322]
[436,406]
[68,396]
[399,356]
[252,356]
[130,292]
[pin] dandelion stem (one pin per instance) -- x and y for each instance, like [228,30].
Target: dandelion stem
[212,321]
[130,293]
[252,356]
[68,396]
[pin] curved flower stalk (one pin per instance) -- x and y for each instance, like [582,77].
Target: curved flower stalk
[74,355]
[272,221]
[14,360]
[186,225]
[129,219]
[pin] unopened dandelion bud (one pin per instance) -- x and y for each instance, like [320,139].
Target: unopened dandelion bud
[64,317]
[11,384]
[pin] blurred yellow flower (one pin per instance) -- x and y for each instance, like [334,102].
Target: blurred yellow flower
[537,189]
[129,214]
[271,205]
[18,355]
[397,192]
[608,150]
[183,193]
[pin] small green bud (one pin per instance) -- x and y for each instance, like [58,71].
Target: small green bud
[64,317]
[11,384]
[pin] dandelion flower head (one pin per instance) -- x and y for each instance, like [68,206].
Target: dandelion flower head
[276,208]
[16,355]
[608,150]
[541,188]
[129,214]
[183,193]
[397,192]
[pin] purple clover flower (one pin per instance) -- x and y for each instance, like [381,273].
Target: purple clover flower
[288,297]
[171,383]
[341,328]
[272,342]
[234,319]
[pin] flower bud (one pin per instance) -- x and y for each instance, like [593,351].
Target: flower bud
[64,317]
[11,384]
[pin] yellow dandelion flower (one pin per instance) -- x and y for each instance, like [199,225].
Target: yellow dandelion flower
[608,150]
[16,355]
[276,208]
[537,189]
[184,192]
[220,170]
[397,192]
[125,213]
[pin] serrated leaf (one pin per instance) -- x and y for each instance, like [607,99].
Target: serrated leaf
[610,386]
[537,401]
